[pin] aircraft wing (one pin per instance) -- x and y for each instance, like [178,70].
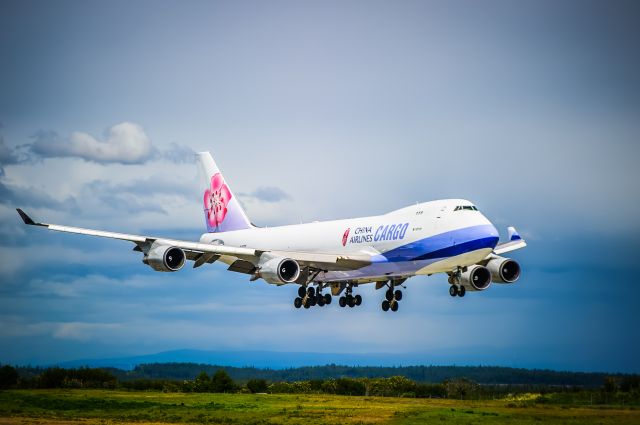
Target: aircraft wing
[206,253]
[515,242]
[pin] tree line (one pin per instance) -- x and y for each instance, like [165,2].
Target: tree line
[612,387]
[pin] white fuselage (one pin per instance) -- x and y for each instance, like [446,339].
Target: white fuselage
[425,238]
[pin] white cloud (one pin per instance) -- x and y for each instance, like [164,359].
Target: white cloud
[125,143]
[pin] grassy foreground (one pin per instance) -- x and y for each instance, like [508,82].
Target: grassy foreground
[107,407]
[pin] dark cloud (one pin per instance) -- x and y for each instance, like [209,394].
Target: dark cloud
[267,194]
[21,196]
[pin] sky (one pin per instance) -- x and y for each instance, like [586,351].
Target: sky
[317,111]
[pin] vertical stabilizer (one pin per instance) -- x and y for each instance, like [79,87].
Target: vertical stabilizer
[222,211]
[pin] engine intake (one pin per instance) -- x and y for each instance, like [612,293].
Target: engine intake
[504,270]
[476,278]
[164,258]
[280,270]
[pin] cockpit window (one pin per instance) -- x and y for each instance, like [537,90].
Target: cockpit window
[465,207]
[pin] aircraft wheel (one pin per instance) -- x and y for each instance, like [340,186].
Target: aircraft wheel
[462,291]
[327,299]
[342,301]
[352,303]
[302,291]
[311,291]
[297,303]
[398,295]
[307,303]
[385,305]
[358,299]
[320,301]
[394,306]
[389,294]
[312,301]
[453,290]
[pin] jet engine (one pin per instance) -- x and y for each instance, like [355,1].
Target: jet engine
[503,270]
[164,258]
[280,270]
[476,278]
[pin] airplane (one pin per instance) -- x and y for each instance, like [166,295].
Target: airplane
[444,236]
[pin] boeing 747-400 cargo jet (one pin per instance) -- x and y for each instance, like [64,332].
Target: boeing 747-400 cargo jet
[446,236]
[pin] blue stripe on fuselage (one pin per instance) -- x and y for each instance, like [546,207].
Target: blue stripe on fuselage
[444,245]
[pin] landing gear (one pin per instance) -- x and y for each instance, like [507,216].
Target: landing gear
[455,280]
[458,290]
[391,298]
[349,299]
[308,296]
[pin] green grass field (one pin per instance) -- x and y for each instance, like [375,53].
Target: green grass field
[107,407]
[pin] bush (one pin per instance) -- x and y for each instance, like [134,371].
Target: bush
[257,385]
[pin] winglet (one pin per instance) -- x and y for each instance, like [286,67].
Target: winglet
[513,234]
[27,220]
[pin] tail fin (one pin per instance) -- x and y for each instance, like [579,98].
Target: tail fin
[222,211]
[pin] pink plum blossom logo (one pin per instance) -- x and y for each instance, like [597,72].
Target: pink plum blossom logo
[216,199]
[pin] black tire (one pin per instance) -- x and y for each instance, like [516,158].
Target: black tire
[302,291]
[327,299]
[394,306]
[352,302]
[311,291]
[312,301]
[319,297]
[349,299]
[307,303]
[389,294]
[320,302]
[297,303]
[462,291]
[357,299]
[398,295]
[385,305]
[453,290]
[342,301]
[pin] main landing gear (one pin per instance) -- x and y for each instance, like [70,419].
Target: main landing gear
[349,299]
[309,297]
[391,299]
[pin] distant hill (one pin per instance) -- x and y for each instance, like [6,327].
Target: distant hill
[259,359]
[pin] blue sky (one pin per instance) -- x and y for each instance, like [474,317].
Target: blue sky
[316,111]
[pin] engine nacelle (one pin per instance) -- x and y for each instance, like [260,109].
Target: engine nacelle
[280,270]
[164,258]
[504,270]
[476,278]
